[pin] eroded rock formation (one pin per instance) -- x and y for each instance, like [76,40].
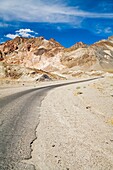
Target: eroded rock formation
[22,54]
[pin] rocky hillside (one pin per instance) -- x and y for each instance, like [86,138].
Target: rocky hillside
[38,58]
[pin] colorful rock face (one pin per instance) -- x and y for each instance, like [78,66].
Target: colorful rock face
[51,57]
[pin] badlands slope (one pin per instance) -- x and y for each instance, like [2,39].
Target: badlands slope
[30,59]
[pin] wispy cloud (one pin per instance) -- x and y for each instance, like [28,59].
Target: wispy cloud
[23,33]
[32,11]
[104,30]
[108,30]
[4,24]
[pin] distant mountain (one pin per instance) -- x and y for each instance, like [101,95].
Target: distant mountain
[30,58]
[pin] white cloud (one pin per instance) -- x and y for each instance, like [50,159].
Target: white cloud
[11,36]
[22,33]
[41,11]
[25,32]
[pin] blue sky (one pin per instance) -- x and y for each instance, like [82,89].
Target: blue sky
[67,21]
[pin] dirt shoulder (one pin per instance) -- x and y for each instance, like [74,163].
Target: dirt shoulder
[76,128]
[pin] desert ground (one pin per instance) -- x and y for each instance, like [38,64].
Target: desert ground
[75,128]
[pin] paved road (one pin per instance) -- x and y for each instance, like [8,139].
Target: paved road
[19,117]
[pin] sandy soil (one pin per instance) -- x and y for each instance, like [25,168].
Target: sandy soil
[76,128]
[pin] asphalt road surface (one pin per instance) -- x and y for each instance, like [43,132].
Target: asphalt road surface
[19,118]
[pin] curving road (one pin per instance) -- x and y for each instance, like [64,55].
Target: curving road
[19,117]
